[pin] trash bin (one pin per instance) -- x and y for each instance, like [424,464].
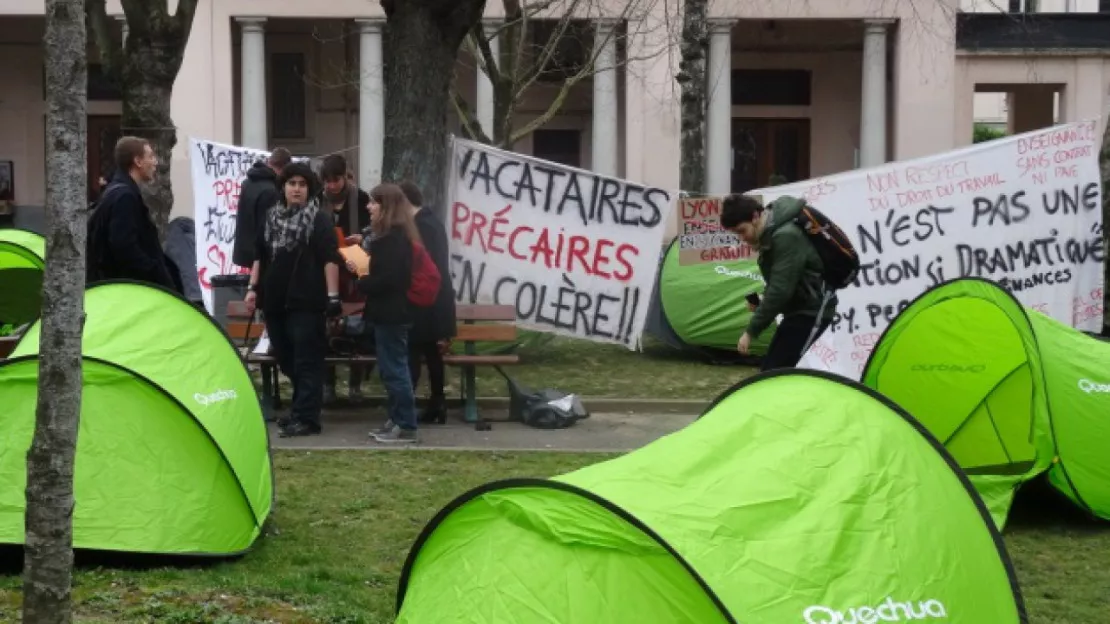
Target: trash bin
[227,288]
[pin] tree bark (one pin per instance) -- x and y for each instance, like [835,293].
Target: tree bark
[145,66]
[421,43]
[48,553]
[692,78]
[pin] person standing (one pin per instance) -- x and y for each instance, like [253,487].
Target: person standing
[123,241]
[295,281]
[433,327]
[258,194]
[392,236]
[793,272]
[347,204]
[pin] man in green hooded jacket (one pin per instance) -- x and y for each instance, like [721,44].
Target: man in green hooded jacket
[792,271]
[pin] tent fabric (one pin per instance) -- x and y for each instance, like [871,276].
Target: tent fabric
[172,453]
[798,496]
[703,306]
[1011,392]
[22,259]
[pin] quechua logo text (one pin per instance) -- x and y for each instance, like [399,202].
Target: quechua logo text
[888,611]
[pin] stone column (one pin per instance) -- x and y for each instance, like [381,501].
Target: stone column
[371,103]
[122,19]
[252,84]
[486,107]
[718,119]
[873,108]
[605,113]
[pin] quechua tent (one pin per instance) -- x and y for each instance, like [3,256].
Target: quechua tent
[798,496]
[22,260]
[172,451]
[1011,392]
[702,307]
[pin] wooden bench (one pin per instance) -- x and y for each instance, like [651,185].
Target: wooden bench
[476,323]
[7,345]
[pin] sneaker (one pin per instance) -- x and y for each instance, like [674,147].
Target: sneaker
[297,429]
[386,427]
[396,435]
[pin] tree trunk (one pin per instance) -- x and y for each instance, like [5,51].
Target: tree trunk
[145,66]
[1104,170]
[421,44]
[692,78]
[48,554]
[146,113]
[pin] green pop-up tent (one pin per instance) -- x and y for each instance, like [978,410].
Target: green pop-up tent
[702,307]
[798,496]
[172,451]
[1011,392]
[22,258]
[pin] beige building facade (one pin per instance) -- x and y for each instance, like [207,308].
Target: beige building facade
[798,88]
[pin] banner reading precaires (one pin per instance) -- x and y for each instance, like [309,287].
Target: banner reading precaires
[218,171]
[1024,212]
[575,253]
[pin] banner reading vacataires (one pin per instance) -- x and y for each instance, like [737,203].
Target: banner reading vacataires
[575,253]
[218,171]
[1024,212]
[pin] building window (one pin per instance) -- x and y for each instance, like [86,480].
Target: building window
[771,87]
[569,53]
[561,146]
[288,95]
[1024,6]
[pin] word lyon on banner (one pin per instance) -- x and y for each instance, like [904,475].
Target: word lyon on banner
[575,253]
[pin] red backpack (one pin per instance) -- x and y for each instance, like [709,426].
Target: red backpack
[424,287]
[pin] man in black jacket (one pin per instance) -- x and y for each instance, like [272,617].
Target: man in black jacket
[258,193]
[432,327]
[122,239]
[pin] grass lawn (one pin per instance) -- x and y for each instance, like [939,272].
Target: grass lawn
[344,529]
[590,369]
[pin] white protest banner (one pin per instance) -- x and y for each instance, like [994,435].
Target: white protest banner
[1024,212]
[218,172]
[574,252]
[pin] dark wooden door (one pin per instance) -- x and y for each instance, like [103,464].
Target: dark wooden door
[768,152]
[104,131]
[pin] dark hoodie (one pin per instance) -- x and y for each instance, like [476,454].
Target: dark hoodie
[791,267]
[437,322]
[258,193]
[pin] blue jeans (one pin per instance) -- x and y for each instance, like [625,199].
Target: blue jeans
[392,351]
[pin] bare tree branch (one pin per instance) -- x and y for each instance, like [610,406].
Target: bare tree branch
[110,48]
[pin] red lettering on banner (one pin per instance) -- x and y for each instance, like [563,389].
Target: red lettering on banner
[553,250]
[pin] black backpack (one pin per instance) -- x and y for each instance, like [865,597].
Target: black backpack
[839,257]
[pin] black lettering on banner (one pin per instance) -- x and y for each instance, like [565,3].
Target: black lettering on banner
[564,307]
[1069,201]
[1029,254]
[902,228]
[1007,209]
[217,226]
[224,163]
[607,202]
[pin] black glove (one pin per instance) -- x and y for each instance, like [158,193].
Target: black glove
[335,307]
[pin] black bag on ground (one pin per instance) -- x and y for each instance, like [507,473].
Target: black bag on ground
[543,409]
[837,253]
